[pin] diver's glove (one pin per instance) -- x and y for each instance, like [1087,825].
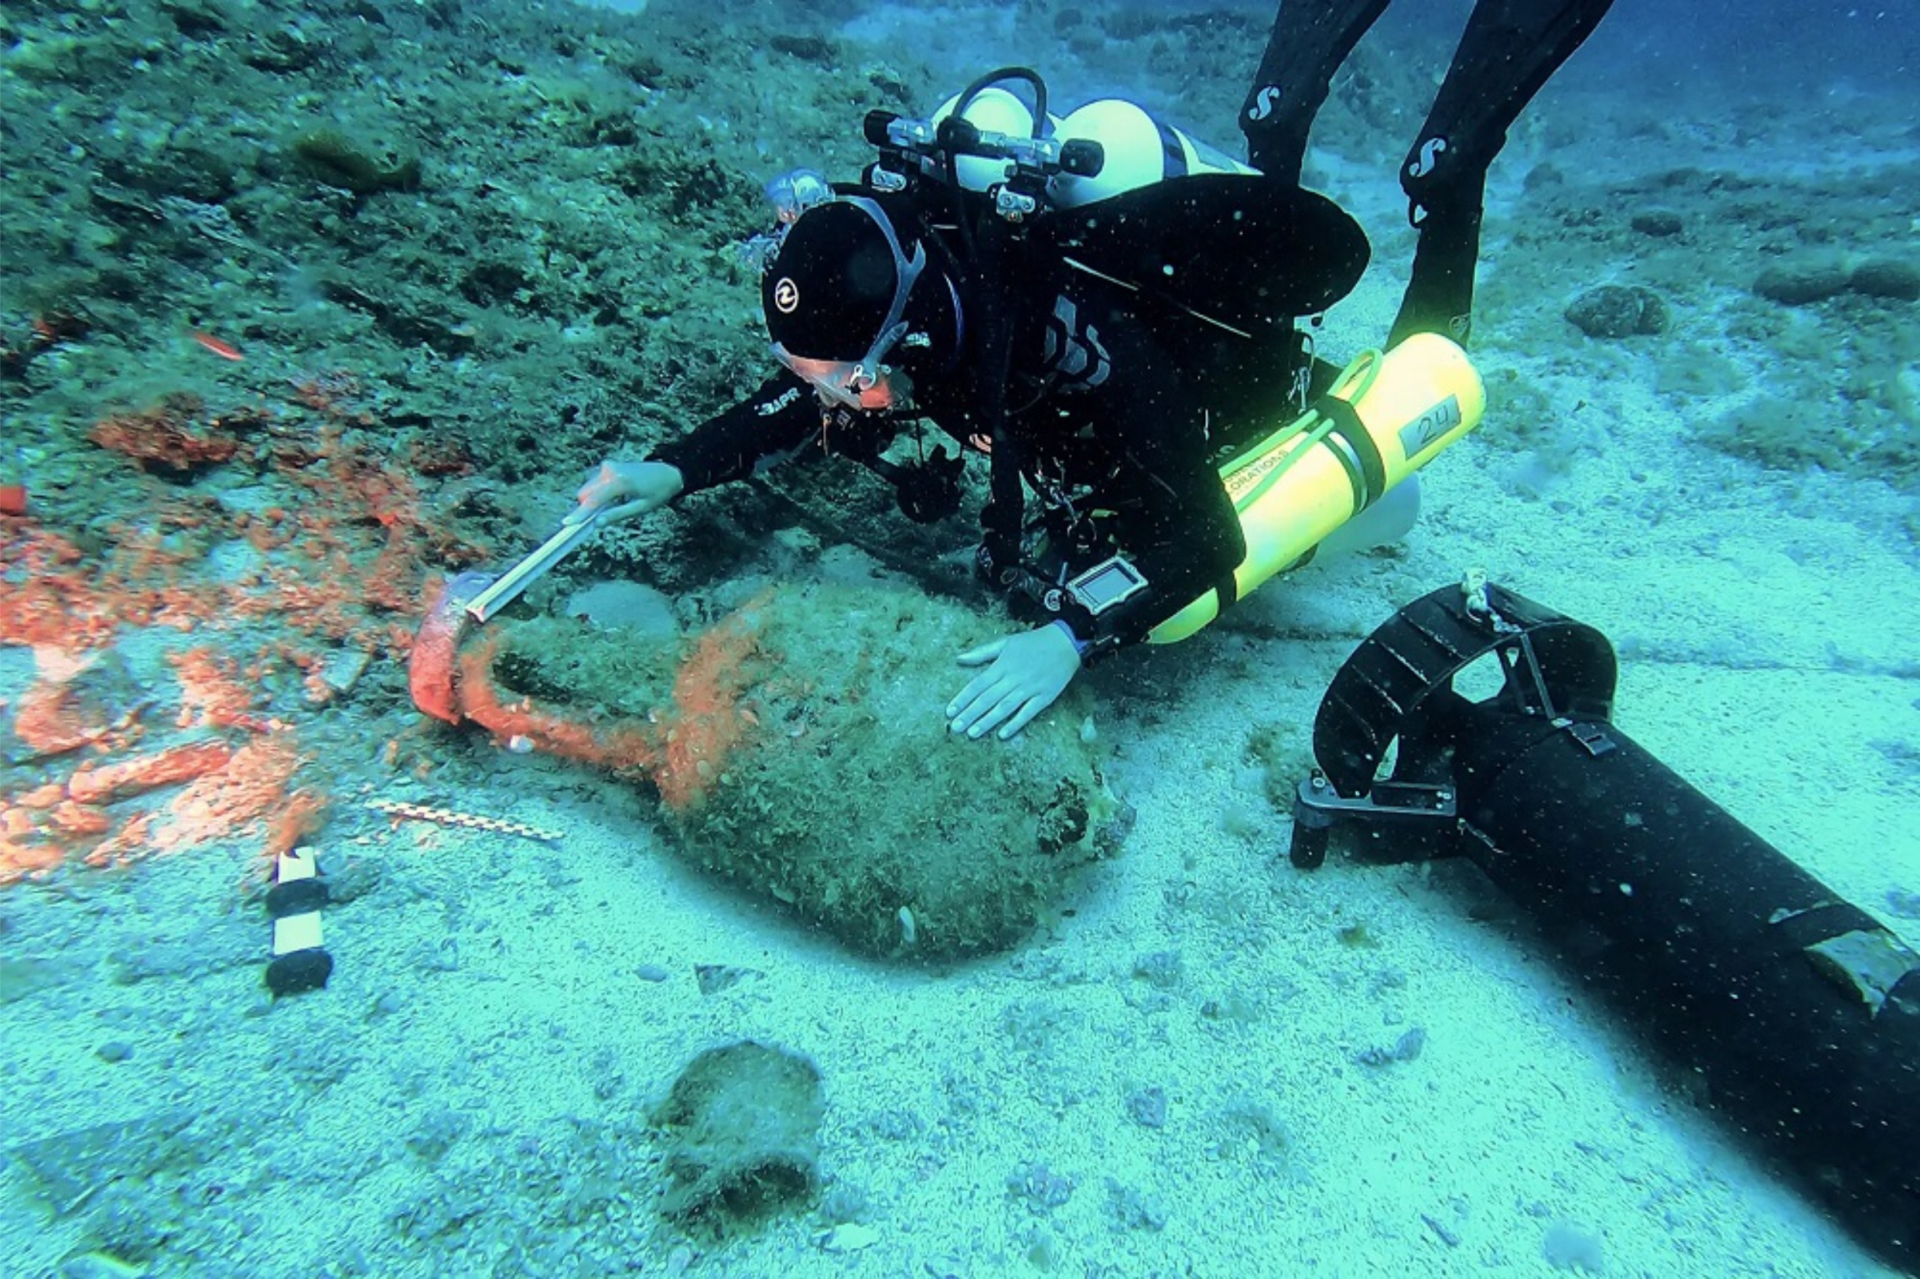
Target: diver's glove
[621,490]
[1028,672]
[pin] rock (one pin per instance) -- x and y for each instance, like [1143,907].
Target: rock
[99,1265]
[1618,311]
[628,605]
[1657,222]
[807,48]
[1543,177]
[339,673]
[69,703]
[70,1166]
[1407,1048]
[1148,1107]
[742,1134]
[849,1236]
[349,879]
[1886,278]
[714,978]
[1162,968]
[1800,283]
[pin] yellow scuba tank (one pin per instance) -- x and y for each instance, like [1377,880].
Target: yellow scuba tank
[1387,416]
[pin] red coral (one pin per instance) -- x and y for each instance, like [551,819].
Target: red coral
[708,720]
[706,724]
[159,438]
[617,747]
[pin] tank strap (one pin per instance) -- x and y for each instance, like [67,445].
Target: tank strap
[1355,450]
[1226,591]
[1821,923]
[1173,156]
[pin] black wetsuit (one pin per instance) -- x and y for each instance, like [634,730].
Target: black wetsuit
[1109,401]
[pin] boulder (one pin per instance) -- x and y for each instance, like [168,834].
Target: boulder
[1618,311]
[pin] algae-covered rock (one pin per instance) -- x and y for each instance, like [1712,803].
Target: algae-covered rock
[800,752]
[1618,311]
[328,156]
[1800,283]
[1886,278]
[742,1133]
[1858,439]
[1658,223]
[851,803]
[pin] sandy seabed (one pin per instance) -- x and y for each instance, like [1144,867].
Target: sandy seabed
[494,1035]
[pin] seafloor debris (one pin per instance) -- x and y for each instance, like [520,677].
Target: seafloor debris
[259,561]
[741,1132]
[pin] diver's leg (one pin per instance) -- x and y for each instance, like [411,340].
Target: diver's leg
[1311,38]
[1509,50]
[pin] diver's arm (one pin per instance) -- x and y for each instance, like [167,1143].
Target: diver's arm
[762,429]
[1184,539]
[1176,521]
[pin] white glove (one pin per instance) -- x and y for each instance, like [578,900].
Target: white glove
[640,486]
[1029,671]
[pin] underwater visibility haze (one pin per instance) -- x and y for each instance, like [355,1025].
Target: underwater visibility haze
[875,638]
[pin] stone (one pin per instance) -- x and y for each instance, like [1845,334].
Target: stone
[848,1236]
[1148,1107]
[340,673]
[625,605]
[1800,283]
[1618,311]
[1886,278]
[742,1136]
[1658,223]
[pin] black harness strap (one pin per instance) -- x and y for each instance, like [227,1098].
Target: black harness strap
[1355,450]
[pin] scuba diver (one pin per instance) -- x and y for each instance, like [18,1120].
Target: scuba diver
[1089,382]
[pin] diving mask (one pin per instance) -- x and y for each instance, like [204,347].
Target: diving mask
[853,384]
[833,268]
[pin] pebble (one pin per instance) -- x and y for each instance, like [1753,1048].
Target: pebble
[1148,1106]
[849,1236]
[713,978]
[1407,1048]
[343,670]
